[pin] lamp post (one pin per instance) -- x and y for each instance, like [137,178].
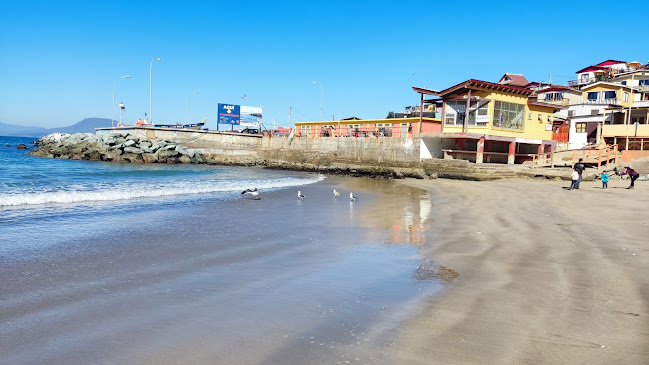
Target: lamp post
[112,122]
[150,70]
[187,104]
[321,97]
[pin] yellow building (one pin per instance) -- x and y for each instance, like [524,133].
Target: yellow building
[504,123]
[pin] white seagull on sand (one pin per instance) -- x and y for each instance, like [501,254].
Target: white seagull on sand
[352,197]
[300,195]
[336,194]
[253,192]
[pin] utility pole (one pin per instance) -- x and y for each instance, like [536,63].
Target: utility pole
[289,116]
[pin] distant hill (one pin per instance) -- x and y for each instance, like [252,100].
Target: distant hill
[87,125]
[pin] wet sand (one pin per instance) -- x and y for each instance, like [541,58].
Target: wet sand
[546,275]
[270,281]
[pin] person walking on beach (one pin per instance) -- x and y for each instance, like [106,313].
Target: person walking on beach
[579,166]
[604,178]
[632,174]
[575,180]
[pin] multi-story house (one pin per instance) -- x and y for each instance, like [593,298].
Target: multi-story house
[492,122]
[629,127]
[602,72]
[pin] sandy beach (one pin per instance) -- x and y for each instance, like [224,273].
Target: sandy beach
[414,272]
[546,275]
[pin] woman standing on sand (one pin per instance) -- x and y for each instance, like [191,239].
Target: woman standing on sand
[632,174]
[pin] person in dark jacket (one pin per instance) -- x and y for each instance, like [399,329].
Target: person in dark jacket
[579,166]
[632,174]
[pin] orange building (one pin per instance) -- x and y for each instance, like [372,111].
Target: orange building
[355,127]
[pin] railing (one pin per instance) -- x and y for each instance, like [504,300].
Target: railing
[344,131]
[612,101]
[579,82]
[641,104]
[596,155]
[561,137]
[560,101]
[543,159]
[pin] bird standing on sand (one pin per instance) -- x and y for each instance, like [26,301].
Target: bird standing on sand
[253,192]
[300,195]
[336,194]
[352,197]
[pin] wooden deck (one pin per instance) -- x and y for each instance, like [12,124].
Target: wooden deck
[596,155]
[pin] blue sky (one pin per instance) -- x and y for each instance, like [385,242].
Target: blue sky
[58,61]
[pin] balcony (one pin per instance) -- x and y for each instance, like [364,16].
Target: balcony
[583,81]
[555,101]
[641,104]
[621,130]
[600,101]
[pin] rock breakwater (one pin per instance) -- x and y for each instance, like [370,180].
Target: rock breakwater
[115,147]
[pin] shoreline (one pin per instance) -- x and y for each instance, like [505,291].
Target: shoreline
[546,275]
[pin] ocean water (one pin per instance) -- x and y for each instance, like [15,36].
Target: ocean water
[124,263]
[44,200]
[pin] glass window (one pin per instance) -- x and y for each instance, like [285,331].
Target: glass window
[580,127]
[610,94]
[592,95]
[644,82]
[508,115]
[626,97]
[623,82]
[456,111]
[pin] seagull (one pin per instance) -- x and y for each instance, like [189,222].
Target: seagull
[254,192]
[352,197]
[244,97]
[336,194]
[300,195]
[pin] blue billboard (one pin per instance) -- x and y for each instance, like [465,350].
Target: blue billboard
[229,114]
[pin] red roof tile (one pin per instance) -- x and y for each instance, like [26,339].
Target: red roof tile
[513,79]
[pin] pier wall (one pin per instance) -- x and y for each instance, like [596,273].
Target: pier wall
[381,150]
[398,151]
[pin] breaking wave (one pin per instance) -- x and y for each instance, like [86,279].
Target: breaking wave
[129,191]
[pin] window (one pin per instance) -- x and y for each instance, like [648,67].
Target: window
[571,113]
[529,116]
[610,95]
[623,82]
[580,127]
[626,97]
[592,95]
[553,96]
[644,82]
[456,111]
[508,115]
[594,111]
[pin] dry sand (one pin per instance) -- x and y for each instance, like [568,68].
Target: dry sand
[546,275]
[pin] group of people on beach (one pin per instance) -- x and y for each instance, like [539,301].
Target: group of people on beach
[579,168]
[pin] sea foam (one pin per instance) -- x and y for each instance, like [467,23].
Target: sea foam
[120,192]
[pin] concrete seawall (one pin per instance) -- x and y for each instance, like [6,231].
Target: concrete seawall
[384,157]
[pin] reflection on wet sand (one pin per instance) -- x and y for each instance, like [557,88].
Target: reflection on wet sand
[403,211]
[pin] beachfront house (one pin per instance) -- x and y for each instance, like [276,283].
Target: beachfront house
[629,124]
[504,123]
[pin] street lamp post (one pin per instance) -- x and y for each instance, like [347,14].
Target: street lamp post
[112,122]
[187,104]
[150,70]
[321,97]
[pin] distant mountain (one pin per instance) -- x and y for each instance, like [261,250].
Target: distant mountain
[87,125]
[11,130]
